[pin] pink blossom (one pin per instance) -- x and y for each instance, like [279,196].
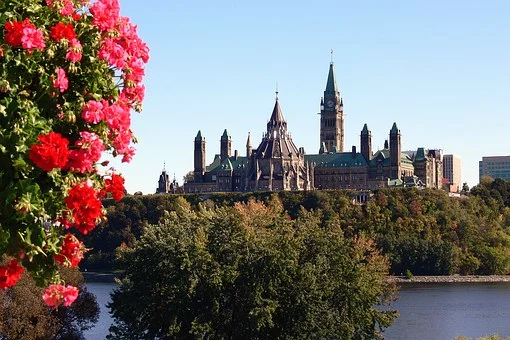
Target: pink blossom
[57,294]
[32,38]
[74,52]
[88,150]
[113,53]
[135,94]
[61,81]
[92,112]
[117,117]
[128,155]
[106,13]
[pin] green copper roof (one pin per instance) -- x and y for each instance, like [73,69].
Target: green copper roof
[420,154]
[199,136]
[331,88]
[384,154]
[225,134]
[336,160]
[394,128]
[365,130]
[230,163]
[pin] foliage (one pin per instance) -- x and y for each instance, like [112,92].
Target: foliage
[248,271]
[424,231]
[23,315]
[70,73]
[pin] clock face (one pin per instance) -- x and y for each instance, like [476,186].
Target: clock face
[330,103]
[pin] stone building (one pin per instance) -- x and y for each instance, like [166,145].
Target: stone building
[166,186]
[277,164]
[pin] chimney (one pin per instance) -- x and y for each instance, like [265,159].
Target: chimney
[386,144]
[353,151]
[236,154]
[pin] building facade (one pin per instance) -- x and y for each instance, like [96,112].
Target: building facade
[495,167]
[452,171]
[277,164]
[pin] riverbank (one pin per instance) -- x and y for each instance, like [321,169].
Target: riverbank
[451,279]
[100,277]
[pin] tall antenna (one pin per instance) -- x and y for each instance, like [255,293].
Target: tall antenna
[164,166]
[331,56]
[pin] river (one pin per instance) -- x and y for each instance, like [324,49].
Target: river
[427,311]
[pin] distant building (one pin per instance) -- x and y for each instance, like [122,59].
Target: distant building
[452,170]
[495,167]
[166,186]
[277,164]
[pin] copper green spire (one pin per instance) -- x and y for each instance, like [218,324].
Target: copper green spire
[199,136]
[365,130]
[331,88]
[394,128]
[225,134]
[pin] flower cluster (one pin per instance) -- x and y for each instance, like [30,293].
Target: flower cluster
[72,251]
[10,274]
[57,294]
[71,72]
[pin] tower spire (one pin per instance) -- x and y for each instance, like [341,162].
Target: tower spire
[331,62]
[276,92]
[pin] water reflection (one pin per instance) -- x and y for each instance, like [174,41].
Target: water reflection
[427,311]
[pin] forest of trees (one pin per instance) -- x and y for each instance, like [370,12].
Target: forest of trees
[424,232]
[249,272]
[288,264]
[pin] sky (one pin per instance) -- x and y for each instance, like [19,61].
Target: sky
[439,69]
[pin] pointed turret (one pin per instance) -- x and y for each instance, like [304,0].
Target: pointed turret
[225,146]
[199,157]
[366,143]
[248,146]
[199,136]
[394,128]
[276,116]
[332,114]
[331,88]
[395,152]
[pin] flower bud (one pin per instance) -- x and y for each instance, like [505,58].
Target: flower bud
[4,86]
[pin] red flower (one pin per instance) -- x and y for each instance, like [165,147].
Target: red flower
[51,152]
[115,186]
[62,31]
[10,274]
[85,207]
[57,294]
[15,31]
[72,251]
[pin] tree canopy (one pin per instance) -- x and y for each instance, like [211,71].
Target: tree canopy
[250,271]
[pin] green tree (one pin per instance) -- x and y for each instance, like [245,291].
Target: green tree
[250,272]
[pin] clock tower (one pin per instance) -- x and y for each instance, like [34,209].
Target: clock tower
[332,116]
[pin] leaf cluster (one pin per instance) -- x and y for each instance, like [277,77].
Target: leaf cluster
[248,271]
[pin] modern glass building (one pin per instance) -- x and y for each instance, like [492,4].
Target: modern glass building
[495,167]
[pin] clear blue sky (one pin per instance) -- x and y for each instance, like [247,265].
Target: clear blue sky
[440,69]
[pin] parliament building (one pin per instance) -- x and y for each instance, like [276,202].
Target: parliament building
[278,164]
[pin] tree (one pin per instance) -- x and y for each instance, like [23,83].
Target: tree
[23,315]
[189,177]
[250,272]
[465,189]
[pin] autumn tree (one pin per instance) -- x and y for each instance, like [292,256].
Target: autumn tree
[250,272]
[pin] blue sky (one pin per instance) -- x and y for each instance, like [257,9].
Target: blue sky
[439,69]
